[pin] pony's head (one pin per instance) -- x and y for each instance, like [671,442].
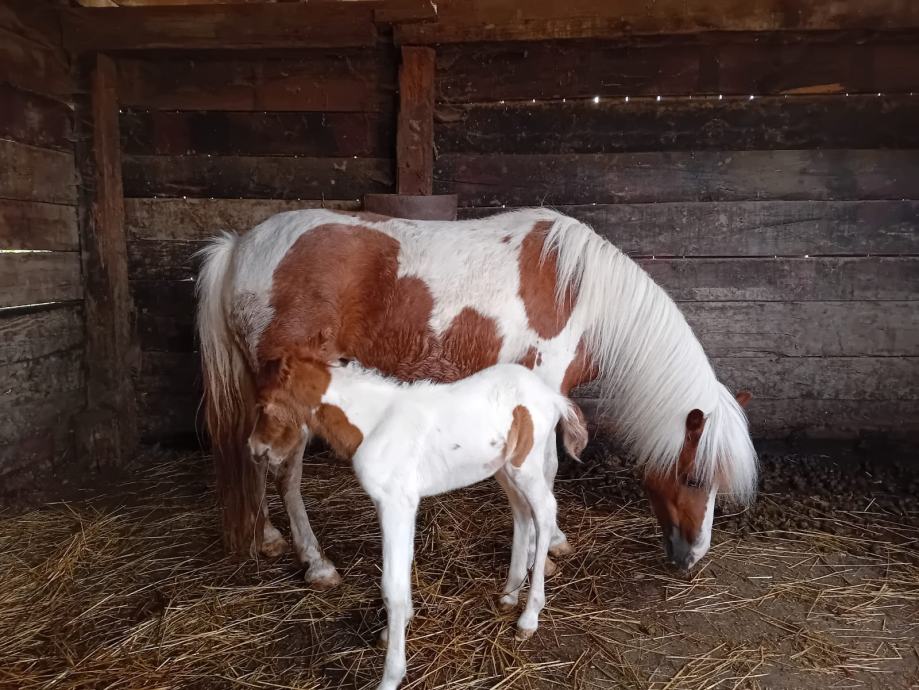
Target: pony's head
[683,498]
[288,391]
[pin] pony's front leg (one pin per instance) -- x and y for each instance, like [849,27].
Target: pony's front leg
[273,542]
[320,572]
[397,522]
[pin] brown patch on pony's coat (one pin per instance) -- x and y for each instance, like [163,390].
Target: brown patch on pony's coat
[332,424]
[519,437]
[470,344]
[529,358]
[580,370]
[537,285]
[674,502]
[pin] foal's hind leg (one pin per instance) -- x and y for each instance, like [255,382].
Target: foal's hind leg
[320,572]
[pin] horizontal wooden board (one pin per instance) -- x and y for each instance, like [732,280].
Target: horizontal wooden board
[750,228]
[350,81]
[256,176]
[163,260]
[33,66]
[36,225]
[170,372]
[33,380]
[36,174]
[37,21]
[257,133]
[521,180]
[805,329]
[38,277]
[813,418]
[779,280]
[201,219]
[28,336]
[170,418]
[222,27]
[736,64]
[679,124]
[33,119]
[821,378]
[508,20]
[165,311]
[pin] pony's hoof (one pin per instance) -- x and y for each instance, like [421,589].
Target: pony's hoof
[274,548]
[323,578]
[506,603]
[524,634]
[551,567]
[562,548]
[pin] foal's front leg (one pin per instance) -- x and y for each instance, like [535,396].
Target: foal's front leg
[320,572]
[397,522]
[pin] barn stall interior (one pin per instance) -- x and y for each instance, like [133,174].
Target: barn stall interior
[759,162]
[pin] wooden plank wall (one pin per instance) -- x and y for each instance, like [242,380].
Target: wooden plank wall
[767,181]
[215,142]
[42,383]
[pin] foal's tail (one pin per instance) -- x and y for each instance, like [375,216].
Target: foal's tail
[229,397]
[574,430]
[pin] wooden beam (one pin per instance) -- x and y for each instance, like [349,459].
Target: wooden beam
[415,136]
[513,20]
[110,425]
[223,27]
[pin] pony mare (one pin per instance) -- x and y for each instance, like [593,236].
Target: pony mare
[407,441]
[441,300]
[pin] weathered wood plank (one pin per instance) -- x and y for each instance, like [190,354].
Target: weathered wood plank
[163,260]
[35,225]
[818,378]
[36,174]
[778,280]
[110,341]
[38,334]
[37,21]
[509,20]
[39,277]
[735,64]
[224,27]
[350,81]
[201,219]
[34,380]
[170,418]
[680,124]
[32,66]
[520,180]
[751,228]
[171,372]
[33,119]
[256,176]
[415,136]
[165,315]
[166,133]
[815,418]
[805,329]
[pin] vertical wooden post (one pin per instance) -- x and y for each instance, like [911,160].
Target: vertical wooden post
[109,428]
[415,136]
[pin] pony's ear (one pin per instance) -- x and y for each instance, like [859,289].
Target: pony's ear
[744,397]
[695,421]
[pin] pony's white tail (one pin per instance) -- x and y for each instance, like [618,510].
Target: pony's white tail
[574,430]
[229,401]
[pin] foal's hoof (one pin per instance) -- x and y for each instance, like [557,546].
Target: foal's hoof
[562,548]
[274,548]
[506,603]
[524,634]
[323,577]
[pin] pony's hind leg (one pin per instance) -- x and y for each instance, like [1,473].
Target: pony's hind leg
[320,572]
[558,545]
[517,572]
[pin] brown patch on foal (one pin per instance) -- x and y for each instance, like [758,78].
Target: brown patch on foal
[537,285]
[333,425]
[519,437]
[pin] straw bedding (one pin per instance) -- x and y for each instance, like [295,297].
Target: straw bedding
[132,591]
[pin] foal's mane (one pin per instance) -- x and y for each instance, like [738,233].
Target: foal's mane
[653,370]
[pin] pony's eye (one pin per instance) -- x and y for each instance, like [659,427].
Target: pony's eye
[344,361]
[692,482]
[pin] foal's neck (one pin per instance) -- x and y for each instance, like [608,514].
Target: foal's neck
[363,396]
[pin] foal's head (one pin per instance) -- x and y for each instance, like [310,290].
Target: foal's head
[683,502]
[288,391]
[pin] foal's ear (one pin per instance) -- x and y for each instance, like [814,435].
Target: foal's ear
[744,397]
[274,372]
[695,421]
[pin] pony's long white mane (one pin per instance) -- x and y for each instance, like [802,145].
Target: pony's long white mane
[653,370]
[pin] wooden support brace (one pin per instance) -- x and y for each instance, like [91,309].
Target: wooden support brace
[109,428]
[415,136]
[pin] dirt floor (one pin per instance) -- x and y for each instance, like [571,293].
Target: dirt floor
[816,586]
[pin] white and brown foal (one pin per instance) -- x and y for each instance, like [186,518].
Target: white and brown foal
[407,441]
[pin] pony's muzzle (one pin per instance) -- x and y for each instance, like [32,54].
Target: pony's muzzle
[680,552]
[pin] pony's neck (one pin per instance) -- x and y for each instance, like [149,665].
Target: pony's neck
[362,395]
